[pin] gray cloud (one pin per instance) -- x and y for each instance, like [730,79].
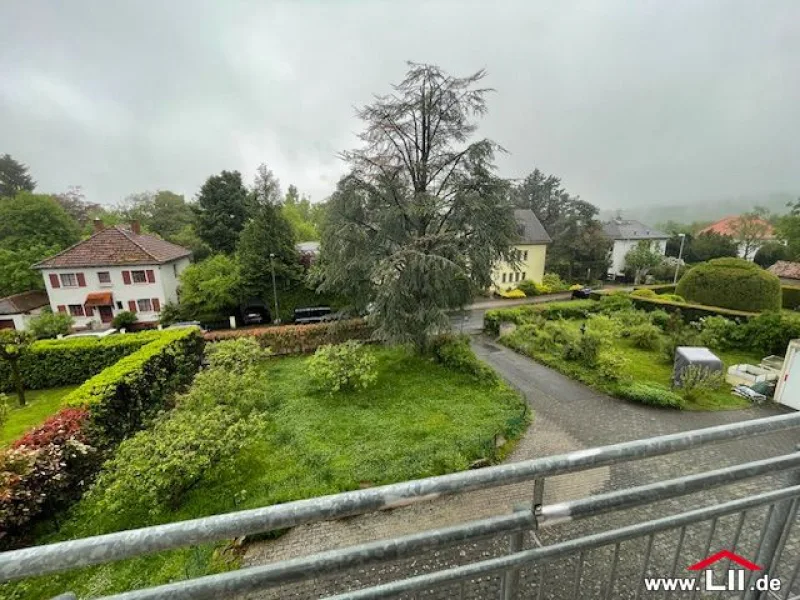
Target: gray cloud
[646,102]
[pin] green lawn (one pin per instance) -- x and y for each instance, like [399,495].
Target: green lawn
[643,366]
[419,419]
[40,404]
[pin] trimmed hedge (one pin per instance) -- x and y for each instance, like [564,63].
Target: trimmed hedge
[571,309]
[690,312]
[300,339]
[791,297]
[731,283]
[50,466]
[56,363]
[658,289]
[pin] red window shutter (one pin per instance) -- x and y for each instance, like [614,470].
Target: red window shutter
[81,280]
[126,277]
[132,305]
[89,311]
[61,308]
[156,305]
[54,282]
[151,276]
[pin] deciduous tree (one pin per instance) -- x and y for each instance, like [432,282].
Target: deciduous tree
[788,229]
[708,245]
[641,258]
[34,219]
[210,289]
[750,230]
[421,219]
[163,212]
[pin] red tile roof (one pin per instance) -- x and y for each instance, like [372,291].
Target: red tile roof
[786,269]
[115,246]
[23,302]
[727,226]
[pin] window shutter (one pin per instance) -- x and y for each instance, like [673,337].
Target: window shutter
[89,311]
[132,305]
[151,276]
[61,308]
[54,282]
[126,277]
[81,280]
[156,305]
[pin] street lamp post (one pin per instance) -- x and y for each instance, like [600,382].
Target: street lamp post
[680,256]
[277,319]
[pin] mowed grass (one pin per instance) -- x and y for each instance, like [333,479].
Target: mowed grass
[647,366]
[40,404]
[419,419]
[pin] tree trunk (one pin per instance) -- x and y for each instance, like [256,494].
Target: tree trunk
[18,382]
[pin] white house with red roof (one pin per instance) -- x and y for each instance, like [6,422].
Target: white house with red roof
[747,248]
[116,269]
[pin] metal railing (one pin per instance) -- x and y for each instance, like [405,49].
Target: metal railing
[782,509]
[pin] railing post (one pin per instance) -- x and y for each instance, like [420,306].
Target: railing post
[774,538]
[515,543]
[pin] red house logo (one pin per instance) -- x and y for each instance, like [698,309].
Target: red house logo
[721,555]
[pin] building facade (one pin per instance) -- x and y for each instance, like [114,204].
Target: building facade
[747,249]
[117,269]
[627,234]
[17,310]
[531,253]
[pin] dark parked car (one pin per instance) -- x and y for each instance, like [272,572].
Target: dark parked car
[254,312]
[313,314]
[582,293]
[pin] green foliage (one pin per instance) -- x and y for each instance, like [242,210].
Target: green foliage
[163,212]
[683,336]
[710,245]
[651,394]
[528,287]
[645,336]
[394,231]
[29,220]
[300,214]
[14,177]
[697,380]
[604,325]
[4,409]
[672,298]
[659,318]
[124,320]
[16,274]
[49,325]
[554,282]
[210,289]
[613,366]
[643,257]
[732,283]
[788,229]
[222,211]
[453,352]
[770,253]
[585,348]
[14,346]
[346,366]
[791,297]
[718,332]
[770,333]
[690,312]
[574,309]
[643,293]
[170,313]
[617,302]
[236,355]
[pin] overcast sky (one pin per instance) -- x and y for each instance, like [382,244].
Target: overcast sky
[629,102]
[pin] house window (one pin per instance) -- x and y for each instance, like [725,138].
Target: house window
[76,310]
[525,255]
[145,304]
[504,277]
[69,280]
[119,305]
[524,274]
[104,278]
[138,277]
[516,276]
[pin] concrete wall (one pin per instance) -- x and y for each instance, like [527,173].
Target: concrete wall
[531,267]
[621,249]
[164,288]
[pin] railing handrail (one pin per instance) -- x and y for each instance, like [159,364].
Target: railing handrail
[62,556]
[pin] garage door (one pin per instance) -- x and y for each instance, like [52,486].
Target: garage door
[7,324]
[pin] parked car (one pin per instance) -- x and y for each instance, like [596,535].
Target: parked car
[254,312]
[314,314]
[582,293]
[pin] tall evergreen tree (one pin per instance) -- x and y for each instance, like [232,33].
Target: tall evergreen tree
[222,211]
[14,177]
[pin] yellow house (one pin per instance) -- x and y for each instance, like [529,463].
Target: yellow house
[531,251]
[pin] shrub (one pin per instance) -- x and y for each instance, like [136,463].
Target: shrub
[585,349]
[296,339]
[50,324]
[770,253]
[171,313]
[690,312]
[554,282]
[611,303]
[672,298]
[453,352]
[732,283]
[718,332]
[560,334]
[646,336]
[519,315]
[643,293]
[628,319]
[770,333]
[344,366]
[613,367]
[236,355]
[659,318]
[791,297]
[528,287]
[685,336]
[603,325]
[124,320]
[652,394]
[697,380]
[511,294]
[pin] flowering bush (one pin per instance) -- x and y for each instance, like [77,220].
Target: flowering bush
[511,294]
[345,366]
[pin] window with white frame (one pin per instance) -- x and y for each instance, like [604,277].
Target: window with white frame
[139,276]
[104,278]
[144,305]
[504,277]
[69,280]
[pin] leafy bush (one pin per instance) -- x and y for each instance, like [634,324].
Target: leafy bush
[613,367]
[732,283]
[50,324]
[659,318]
[628,319]
[296,339]
[718,332]
[672,298]
[770,253]
[171,313]
[585,349]
[124,320]
[152,470]
[236,355]
[603,325]
[690,312]
[643,293]
[770,333]
[453,352]
[4,409]
[646,336]
[686,336]
[528,287]
[697,380]
[519,315]
[511,294]
[340,367]
[554,282]
[611,303]
[652,394]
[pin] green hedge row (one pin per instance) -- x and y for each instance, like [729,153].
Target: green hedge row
[55,363]
[658,289]
[122,397]
[791,297]
[731,283]
[573,309]
[690,312]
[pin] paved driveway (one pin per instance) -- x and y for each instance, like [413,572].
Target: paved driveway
[568,416]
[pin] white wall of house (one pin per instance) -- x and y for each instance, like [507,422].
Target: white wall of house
[21,320]
[164,289]
[621,249]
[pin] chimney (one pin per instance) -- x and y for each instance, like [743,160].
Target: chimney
[135,228]
[98,226]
